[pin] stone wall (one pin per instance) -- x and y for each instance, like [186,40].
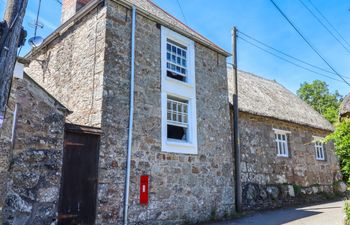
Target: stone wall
[5,150]
[71,67]
[183,188]
[271,181]
[34,163]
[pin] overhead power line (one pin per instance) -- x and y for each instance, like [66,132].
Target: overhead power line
[329,23]
[311,46]
[324,26]
[182,12]
[287,55]
[291,62]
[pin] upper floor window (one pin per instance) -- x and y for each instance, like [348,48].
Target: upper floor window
[179,118]
[281,139]
[319,149]
[176,57]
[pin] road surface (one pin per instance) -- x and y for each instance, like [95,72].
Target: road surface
[321,214]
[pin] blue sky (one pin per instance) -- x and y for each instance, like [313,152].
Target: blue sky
[257,18]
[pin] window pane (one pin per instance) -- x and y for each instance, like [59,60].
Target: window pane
[177,111]
[169,116]
[280,148]
[176,54]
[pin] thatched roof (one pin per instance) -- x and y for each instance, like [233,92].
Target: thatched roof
[345,106]
[260,96]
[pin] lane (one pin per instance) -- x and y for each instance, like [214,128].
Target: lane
[321,214]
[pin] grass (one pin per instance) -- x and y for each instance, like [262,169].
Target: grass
[347,213]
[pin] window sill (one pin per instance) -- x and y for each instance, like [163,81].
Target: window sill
[322,160]
[283,156]
[181,147]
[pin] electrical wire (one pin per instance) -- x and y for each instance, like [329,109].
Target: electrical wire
[290,56]
[328,22]
[182,12]
[324,26]
[293,63]
[310,45]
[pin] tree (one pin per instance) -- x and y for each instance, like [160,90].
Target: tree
[318,96]
[341,139]
[10,33]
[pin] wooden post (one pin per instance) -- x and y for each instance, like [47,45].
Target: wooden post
[9,40]
[238,185]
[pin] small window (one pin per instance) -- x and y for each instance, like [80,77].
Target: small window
[177,119]
[319,150]
[282,144]
[176,61]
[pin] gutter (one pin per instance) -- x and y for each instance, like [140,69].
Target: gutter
[131,118]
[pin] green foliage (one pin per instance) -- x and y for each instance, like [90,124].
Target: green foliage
[297,189]
[341,138]
[318,96]
[347,213]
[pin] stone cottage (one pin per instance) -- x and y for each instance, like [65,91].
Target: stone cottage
[283,159]
[31,145]
[181,160]
[344,110]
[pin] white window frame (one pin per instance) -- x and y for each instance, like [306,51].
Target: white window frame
[319,148]
[284,143]
[185,90]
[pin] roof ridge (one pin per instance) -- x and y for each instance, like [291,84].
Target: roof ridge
[202,36]
[252,74]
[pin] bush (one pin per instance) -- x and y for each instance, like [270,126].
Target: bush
[341,138]
[347,213]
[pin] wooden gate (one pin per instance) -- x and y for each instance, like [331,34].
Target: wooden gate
[77,203]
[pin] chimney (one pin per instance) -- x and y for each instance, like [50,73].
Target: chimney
[70,7]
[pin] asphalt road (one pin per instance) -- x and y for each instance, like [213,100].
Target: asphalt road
[322,214]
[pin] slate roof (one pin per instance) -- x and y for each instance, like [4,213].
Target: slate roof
[33,82]
[345,105]
[161,15]
[147,8]
[260,96]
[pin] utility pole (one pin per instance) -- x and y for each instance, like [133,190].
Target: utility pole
[12,35]
[238,185]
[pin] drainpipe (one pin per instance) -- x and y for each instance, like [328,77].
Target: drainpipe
[131,117]
[238,185]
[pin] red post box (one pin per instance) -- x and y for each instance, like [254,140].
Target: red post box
[144,190]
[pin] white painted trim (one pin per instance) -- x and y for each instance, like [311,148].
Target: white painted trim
[283,142]
[184,90]
[318,139]
[14,124]
[279,131]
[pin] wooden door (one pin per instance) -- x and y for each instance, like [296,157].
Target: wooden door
[77,204]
